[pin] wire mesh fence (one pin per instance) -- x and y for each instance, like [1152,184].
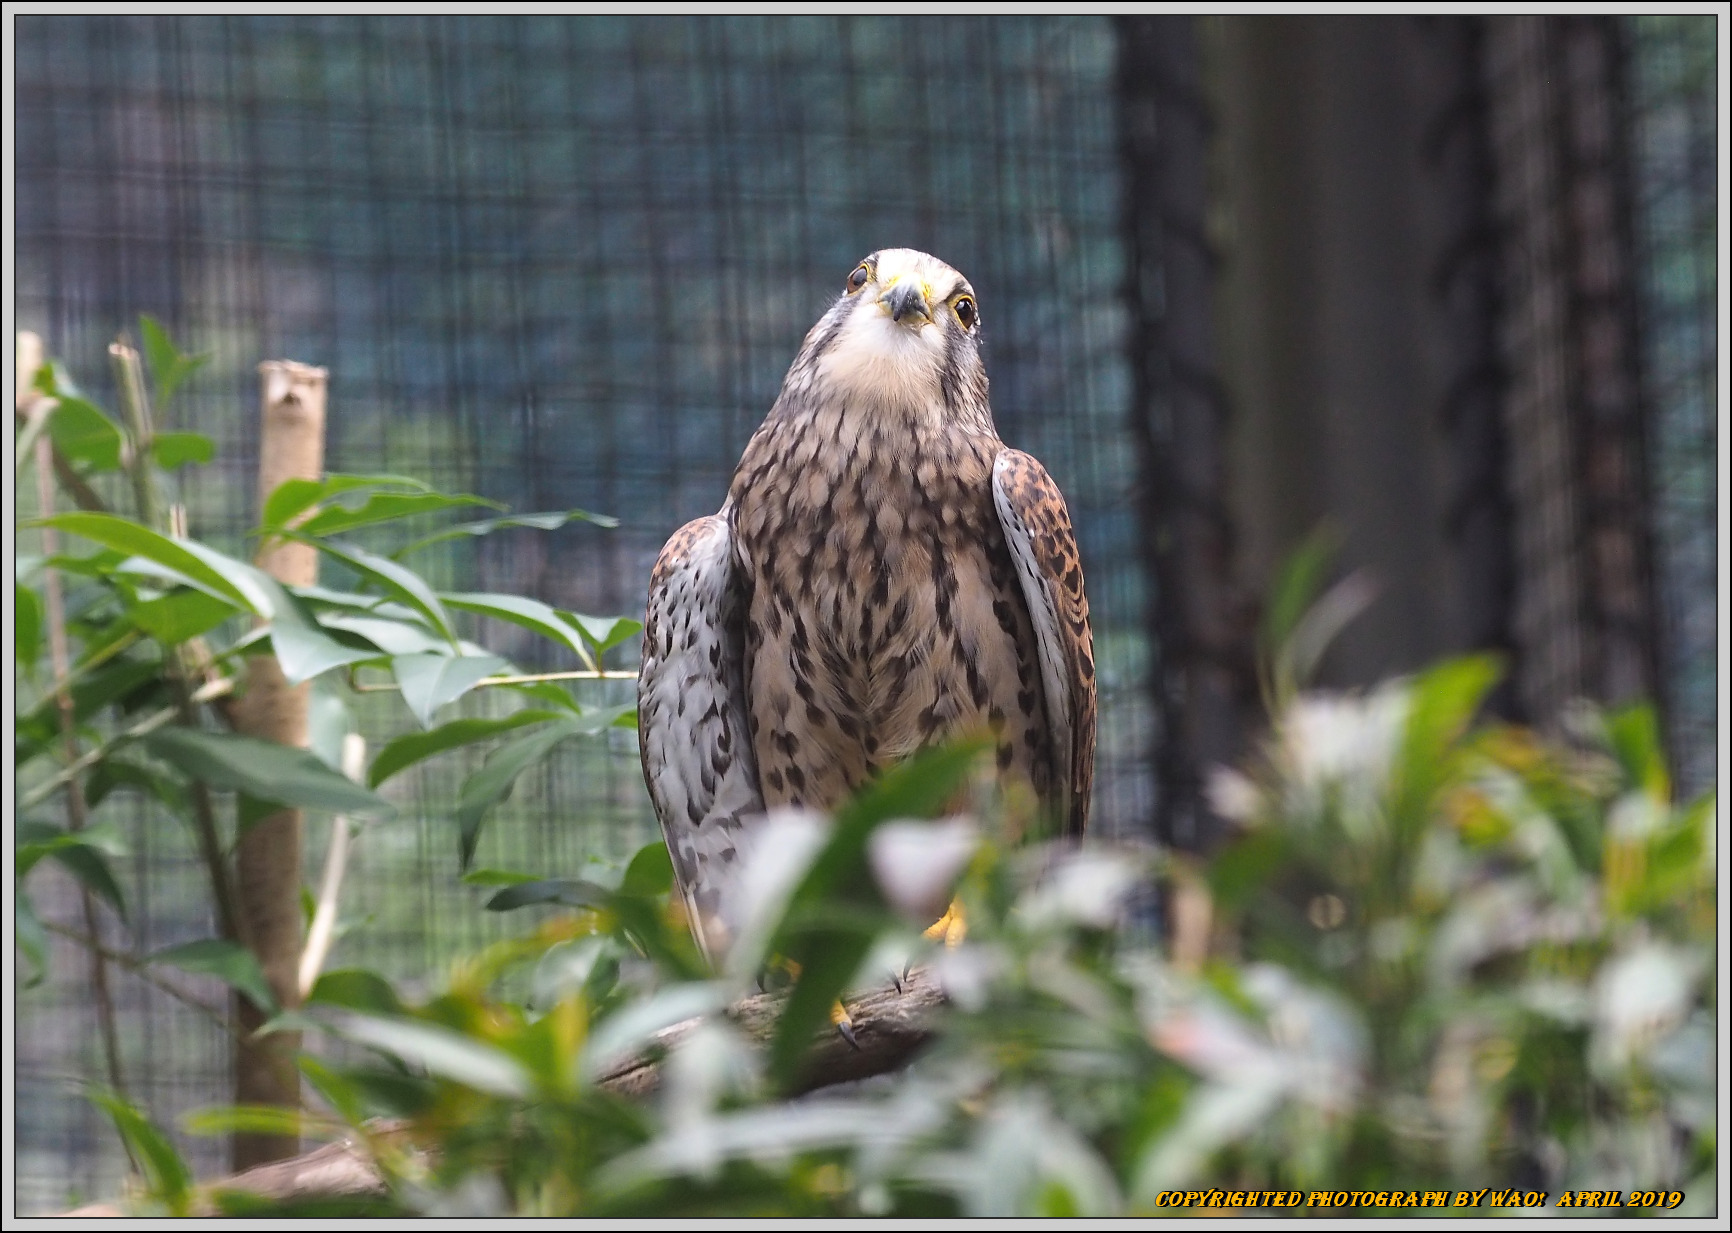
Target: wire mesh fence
[1673,79]
[557,262]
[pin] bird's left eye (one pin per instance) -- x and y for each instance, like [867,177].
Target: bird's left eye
[965,311]
[859,277]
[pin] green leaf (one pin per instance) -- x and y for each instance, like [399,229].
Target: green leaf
[114,773]
[401,584]
[443,1052]
[542,522]
[414,747]
[551,693]
[76,852]
[263,770]
[651,872]
[429,682]
[229,962]
[1634,734]
[492,784]
[167,364]
[602,633]
[1442,703]
[176,449]
[391,637]
[248,1119]
[518,610]
[496,877]
[567,892]
[188,559]
[356,989]
[293,496]
[84,434]
[288,499]
[344,1096]
[386,506]
[301,646]
[1300,580]
[180,615]
[118,682]
[634,1027]
[320,599]
[828,948]
[328,726]
[27,626]
[166,1174]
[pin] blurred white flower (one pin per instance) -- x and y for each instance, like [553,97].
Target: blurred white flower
[1233,795]
[916,863]
[1342,746]
[1641,996]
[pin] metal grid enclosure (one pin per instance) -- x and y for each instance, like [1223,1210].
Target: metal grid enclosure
[558,262]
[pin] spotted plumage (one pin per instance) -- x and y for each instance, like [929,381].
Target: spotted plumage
[884,574]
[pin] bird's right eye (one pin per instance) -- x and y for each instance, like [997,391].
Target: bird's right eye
[859,277]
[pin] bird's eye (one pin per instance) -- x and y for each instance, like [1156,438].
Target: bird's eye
[859,277]
[965,311]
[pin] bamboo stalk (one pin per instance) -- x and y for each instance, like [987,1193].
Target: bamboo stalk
[268,855]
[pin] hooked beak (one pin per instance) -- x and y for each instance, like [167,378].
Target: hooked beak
[906,300]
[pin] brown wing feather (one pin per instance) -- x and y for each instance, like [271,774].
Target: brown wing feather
[1038,529]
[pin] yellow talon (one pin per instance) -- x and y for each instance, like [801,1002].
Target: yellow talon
[950,928]
[844,1025]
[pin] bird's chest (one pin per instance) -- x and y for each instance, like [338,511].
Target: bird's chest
[884,614]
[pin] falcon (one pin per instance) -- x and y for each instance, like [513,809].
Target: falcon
[885,574]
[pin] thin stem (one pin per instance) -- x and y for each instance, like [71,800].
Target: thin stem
[145,972]
[529,679]
[35,420]
[129,378]
[181,661]
[84,668]
[150,723]
[323,931]
[60,655]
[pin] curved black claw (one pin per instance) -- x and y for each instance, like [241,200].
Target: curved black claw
[847,1030]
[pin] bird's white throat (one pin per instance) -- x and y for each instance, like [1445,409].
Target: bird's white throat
[886,366]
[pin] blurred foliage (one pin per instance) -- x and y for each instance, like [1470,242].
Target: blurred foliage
[1437,953]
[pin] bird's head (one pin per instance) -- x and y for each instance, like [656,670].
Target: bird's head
[904,335]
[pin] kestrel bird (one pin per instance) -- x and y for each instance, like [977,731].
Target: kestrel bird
[885,573]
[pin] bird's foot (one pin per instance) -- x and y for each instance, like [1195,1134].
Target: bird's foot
[950,928]
[844,1025]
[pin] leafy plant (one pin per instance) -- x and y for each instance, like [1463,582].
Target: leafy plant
[134,637]
[1439,956]
[1437,953]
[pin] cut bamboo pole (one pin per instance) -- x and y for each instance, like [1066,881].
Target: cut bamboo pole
[268,855]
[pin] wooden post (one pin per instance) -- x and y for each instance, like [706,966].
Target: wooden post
[268,855]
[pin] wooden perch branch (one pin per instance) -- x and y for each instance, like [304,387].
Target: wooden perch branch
[890,1025]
